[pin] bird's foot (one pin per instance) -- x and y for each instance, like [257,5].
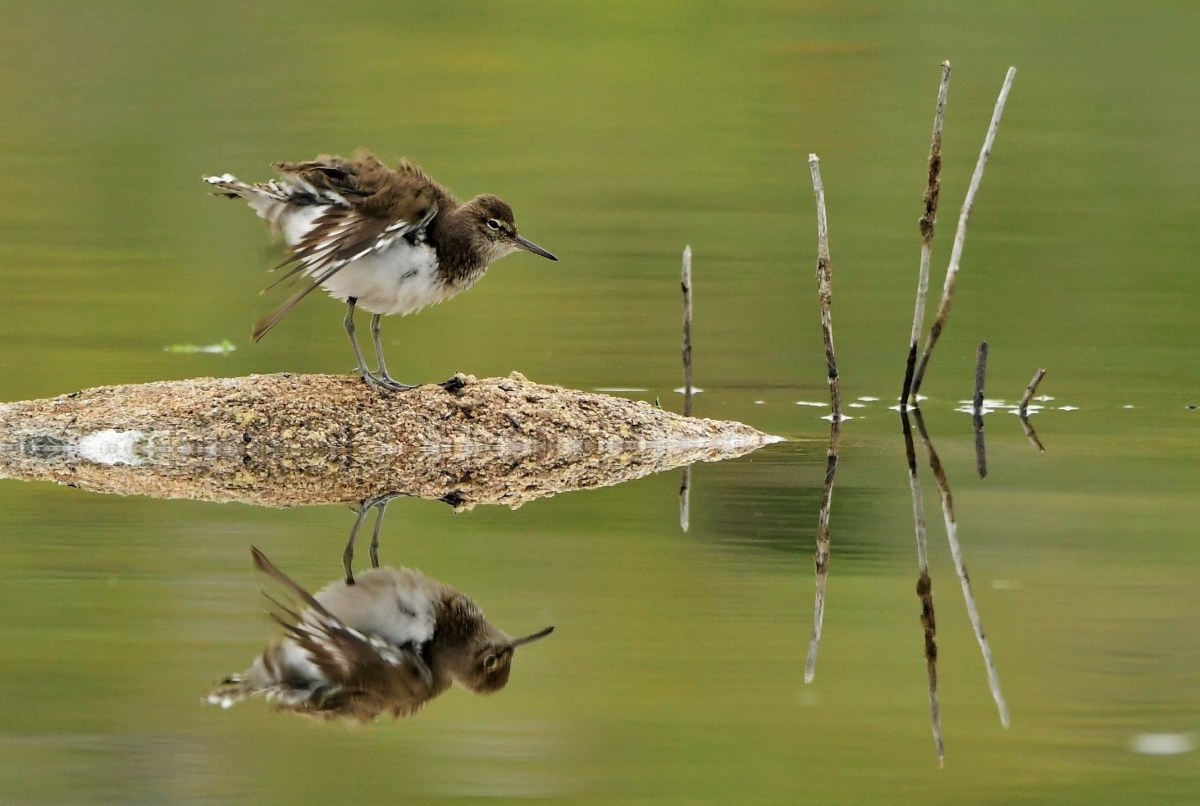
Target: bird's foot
[383,383]
[390,383]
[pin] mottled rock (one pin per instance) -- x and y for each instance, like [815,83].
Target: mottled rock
[282,440]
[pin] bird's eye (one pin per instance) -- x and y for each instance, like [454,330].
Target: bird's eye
[490,662]
[493,224]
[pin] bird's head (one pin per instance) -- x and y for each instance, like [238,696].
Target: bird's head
[492,226]
[491,661]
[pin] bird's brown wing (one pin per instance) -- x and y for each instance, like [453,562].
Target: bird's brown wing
[381,207]
[367,676]
[358,177]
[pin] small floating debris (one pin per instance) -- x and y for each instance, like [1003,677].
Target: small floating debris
[811,403]
[989,403]
[1027,411]
[683,390]
[759,402]
[224,348]
[969,408]
[1044,398]
[1162,744]
[843,418]
[868,399]
[1068,408]
[1128,406]
[857,405]
[619,389]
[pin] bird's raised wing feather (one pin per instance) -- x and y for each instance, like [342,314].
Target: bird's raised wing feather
[381,206]
[363,675]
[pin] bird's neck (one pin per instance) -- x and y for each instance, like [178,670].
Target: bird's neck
[459,622]
[461,260]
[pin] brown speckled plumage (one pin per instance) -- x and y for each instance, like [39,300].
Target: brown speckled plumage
[391,241]
[385,644]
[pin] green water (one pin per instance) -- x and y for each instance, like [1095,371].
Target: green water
[620,132]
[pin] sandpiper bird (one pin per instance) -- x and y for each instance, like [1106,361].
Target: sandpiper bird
[386,644]
[386,241]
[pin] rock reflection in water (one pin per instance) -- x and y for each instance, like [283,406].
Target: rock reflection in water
[384,644]
[256,441]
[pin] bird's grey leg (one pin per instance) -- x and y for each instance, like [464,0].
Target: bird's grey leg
[380,504]
[367,376]
[348,554]
[382,375]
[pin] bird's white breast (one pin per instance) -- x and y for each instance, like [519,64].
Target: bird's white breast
[397,606]
[402,279]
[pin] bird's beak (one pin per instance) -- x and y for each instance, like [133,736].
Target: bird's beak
[530,246]
[529,639]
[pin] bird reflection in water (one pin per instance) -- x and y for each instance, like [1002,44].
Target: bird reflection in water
[385,645]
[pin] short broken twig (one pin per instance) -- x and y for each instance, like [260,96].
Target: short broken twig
[1030,434]
[1030,391]
[685,498]
[977,409]
[980,375]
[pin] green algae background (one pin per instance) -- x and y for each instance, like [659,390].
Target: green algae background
[620,132]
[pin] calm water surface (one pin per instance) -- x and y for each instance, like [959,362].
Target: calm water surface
[620,132]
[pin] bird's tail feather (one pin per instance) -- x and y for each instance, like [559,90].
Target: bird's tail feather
[231,690]
[270,201]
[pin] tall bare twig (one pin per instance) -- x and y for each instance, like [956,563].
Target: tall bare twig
[927,224]
[825,291]
[960,568]
[960,235]
[686,285]
[821,556]
[924,586]
[825,288]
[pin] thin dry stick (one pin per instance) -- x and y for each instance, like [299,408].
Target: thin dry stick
[686,285]
[1030,391]
[825,290]
[927,224]
[960,234]
[960,568]
[924,587]
[821,556]
[825,287]
[685,498]
[1023,411]
[980,445]
[977,409]
[980,375]
[1030,434]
